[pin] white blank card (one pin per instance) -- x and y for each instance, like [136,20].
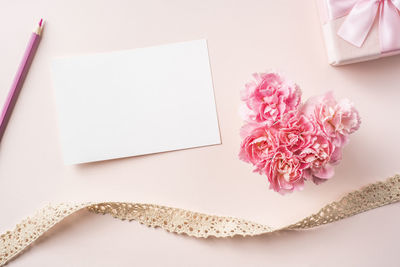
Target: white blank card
[135,102]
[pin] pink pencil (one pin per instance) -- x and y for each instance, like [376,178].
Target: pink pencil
[20,77]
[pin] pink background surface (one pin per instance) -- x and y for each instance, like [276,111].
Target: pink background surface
[243,37]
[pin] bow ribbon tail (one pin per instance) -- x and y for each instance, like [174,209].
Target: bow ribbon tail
[358,23]
[389,26]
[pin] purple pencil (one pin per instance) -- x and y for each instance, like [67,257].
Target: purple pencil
[20,77]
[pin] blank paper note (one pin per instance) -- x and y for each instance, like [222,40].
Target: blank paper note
[135,102]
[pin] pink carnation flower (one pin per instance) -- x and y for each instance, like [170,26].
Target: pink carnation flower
[337,119]
[269,97]
[285,171]
[297,132]
[258,145]
[319,155]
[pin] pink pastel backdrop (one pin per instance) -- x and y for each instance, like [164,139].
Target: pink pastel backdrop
[243,37]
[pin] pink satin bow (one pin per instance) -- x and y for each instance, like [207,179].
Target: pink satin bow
[361,17]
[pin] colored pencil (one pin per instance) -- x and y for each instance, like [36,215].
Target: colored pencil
[20,77]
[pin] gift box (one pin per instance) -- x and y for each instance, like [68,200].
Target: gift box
[360,30]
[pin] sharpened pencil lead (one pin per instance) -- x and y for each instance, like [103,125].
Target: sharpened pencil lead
[39,28]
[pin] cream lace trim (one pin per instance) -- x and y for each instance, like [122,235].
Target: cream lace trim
[192,223]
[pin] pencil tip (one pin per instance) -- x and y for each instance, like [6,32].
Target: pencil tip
[39,28]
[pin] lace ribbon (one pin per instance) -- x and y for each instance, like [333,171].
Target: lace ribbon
[192,223]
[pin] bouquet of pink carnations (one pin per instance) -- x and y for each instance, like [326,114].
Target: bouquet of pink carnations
[290,141]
